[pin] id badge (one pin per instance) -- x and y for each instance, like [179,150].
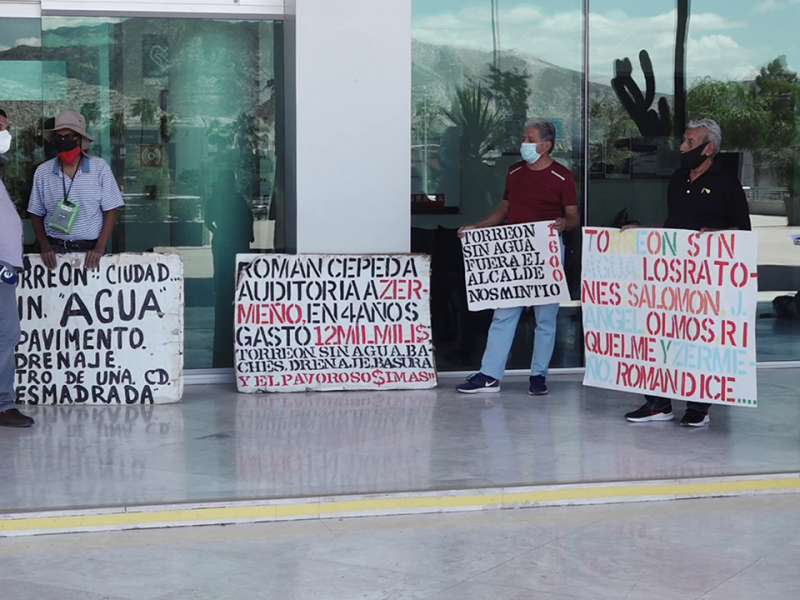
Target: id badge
[64,215]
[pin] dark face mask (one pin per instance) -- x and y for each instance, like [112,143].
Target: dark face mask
[65,145]
[694,158]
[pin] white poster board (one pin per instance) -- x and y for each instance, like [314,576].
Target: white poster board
[514,265]
[671,313]
[333,322]
[113,335]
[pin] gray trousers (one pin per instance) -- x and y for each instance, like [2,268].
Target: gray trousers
[659,403]
[9,338]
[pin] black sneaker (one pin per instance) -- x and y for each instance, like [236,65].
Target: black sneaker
[645,414]
[694,418]
[479,383]
[538,386]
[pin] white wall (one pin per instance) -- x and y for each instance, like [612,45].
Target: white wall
[352,122]
[26,9]
[224,8]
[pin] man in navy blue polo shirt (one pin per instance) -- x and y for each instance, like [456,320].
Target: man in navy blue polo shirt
[700,197]
[74,200]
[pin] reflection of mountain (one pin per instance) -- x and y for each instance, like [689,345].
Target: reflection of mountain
[209,69]
[22,53]
[437,70]
[23,113]
[555,91]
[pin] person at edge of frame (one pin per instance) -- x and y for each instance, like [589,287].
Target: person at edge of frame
[537,189]
[74,199]
[11,263]
[700,197]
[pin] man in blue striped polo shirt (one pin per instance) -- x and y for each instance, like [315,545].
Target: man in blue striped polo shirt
[74,200]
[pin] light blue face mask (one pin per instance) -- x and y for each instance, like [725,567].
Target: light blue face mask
[529,153]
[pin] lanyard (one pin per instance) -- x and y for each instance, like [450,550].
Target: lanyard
[71,181]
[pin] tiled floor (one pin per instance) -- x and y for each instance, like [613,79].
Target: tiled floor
[710,549]
[221,445]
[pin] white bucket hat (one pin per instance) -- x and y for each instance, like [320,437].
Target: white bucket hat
[69,119]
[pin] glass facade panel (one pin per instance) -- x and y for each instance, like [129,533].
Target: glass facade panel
[21,96]
[480,69]
[656,65]
[652,68]
[184,111]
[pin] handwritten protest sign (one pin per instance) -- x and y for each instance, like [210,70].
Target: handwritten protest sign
[328,322]
[671,313]
[113,335]
[513,265]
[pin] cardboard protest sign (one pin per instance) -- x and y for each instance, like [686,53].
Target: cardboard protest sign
[333,322]
[113,335]
[513,265]
[671,313]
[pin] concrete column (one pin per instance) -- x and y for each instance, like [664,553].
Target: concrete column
[348,130]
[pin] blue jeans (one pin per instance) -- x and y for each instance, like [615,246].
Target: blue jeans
[501,336]
[9,338]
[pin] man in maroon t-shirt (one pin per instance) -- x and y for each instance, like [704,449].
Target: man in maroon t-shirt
[537,189]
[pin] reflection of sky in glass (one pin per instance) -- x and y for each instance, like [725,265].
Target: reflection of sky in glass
[19,32]
[728,39]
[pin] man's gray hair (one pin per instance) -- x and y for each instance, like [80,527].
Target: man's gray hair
[547,131]
[713,132]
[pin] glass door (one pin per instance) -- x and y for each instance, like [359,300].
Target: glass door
[184,111]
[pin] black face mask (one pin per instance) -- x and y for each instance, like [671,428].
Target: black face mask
[694,158]
[64,145]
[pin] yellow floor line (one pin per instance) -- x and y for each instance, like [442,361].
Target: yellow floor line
[382,504]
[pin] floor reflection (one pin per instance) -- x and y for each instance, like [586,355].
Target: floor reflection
[322,443]
[91,455]
[219,444]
